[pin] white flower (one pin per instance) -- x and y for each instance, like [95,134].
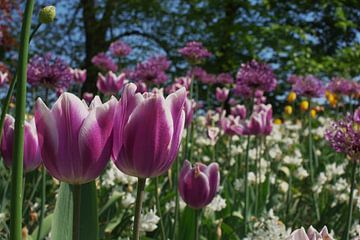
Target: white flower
[217,204]
[114,175]
[149,221]
[127,200]
[284,186]
[251,177]
[301,173]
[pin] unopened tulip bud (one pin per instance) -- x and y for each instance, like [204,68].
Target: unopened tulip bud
[313,113]
[47,14]
[277,121]
[288,110]
[291,97]
[304,105]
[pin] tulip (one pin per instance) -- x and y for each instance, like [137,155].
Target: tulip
[147,132]
[311,234]
[32,157]
[75,140]
[198,185]
[239,110]
[110,84]
[260,122]
[313,113]
[231,125]
[79,75]
[88,97]
[189,107]
[291,97]
[277,121]
[3,78]
[288,109]
[222,94]
[304,105]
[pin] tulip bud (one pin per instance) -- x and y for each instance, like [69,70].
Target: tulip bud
[110,83]
[198,185]
[277,121]
[288,110]
[291,97]
[313,113]
[304,105]
[47,14]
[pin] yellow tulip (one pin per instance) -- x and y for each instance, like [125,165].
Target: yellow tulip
[304,105]
[277,121]
[288,110]
[313,113]
[291,97]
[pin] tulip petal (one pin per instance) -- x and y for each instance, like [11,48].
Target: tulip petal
[195,189]
[298,234]
[212,172]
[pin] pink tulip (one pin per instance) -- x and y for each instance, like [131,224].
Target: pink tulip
[260,122]
[189,107]
[311,234]
[110,84]
[239,111]
[75,140]
[32,157]
[222,94]
[88,97]
[79,76]
[3,78]
[147,132]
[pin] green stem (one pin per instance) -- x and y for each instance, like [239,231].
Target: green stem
[246,185]
[177,200]
[158,206]
[76,211]
[43,200]
[350,209]
[197,221]
[288,199]
[17,165]
[138,206]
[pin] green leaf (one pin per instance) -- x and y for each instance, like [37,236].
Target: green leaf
[45,228]
[89,225]
[114,197]
[187,224]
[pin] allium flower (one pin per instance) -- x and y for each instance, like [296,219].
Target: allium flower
[119,48]
[222,94]
[224,78]
[254,76]
[78,75]
[198,185]
[344,135]
[32,157]
[260,122]
[152,70]
[340,86]
[195,52]
[200,74]
[309,86]
[147,149]
[104,62]
[49,71]
[110,83]
[3,78]
[292,79]
[311,234]
[75,140]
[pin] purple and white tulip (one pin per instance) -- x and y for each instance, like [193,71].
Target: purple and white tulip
[311,234]
[110,83]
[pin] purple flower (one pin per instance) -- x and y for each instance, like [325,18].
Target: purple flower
[221,94]
[200,74]
[147,132]
[88,97]
[239,111]
[75,140]
[152,70]
[260,122]
[119,48]
[231,125]
[195,52]
[179,83]
[110,83]
[254,76]
[189,107]
[224,78]
[308,86]
[49,71]
[78,75]
[3,78]
[292,79]
[344,135]
[32,157]
[198,185]
[311,234]
[341,86]
[104,62]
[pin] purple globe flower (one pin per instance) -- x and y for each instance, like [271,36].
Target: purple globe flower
[75,140]
[104,62]
[195,52]
[254,76]
[148,131]
[198,185]
[341,86]
[309,86]
[200,74]
[49,71]
[224,78]
[119,48]
[344,135]
[152,70]
[32,157]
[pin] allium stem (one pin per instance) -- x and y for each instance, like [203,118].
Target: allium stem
[158,206]
[246,185]
[350,209]
[17,165]
[138,206]
[76,211]
[43,200]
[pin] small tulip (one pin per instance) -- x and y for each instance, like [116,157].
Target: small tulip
[3,78]
[291,97]
[239,111]
[304,105]
[78,75]
[75,140]
[313,113]
[147,132]
[288,110]
[222,94]
[277,121]
[260,122]
[189,107]
[198,185]
[88,97]
[110,84]
[311,234]
[32,157]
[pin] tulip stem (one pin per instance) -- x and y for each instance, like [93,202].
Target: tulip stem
[246,185]
[197,225]
[177,203]
[43,199]
[158,206]
[76,190]
[17,166]
[138,206]
[350,209]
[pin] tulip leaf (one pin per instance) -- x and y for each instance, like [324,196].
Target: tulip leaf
[63,215]
[187,224]
[45,228]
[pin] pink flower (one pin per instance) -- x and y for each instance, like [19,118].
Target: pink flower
[78,75]
[222,94]
[110,83]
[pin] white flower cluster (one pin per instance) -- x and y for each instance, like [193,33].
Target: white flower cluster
[216,205]
[113,176]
